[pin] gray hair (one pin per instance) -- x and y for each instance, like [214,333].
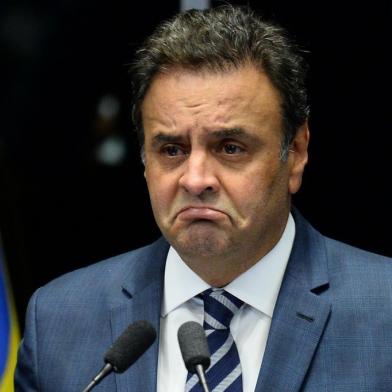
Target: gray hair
[218,40]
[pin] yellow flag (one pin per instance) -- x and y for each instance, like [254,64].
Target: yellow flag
[9,332]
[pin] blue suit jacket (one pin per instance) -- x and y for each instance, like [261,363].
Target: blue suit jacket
[331,328]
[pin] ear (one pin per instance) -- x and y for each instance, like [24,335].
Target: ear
[298,157]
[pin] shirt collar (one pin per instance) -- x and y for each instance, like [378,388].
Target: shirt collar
[258,286]
[181,283]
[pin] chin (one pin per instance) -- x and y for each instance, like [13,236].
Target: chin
[203,244]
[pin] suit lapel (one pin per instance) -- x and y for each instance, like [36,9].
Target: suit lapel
[297,325]
[300,316]
[142,290]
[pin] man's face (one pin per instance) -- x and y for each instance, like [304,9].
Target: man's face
[212,142]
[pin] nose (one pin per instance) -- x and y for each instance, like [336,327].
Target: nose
[198,176]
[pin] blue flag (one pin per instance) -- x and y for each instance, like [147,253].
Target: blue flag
[9,332]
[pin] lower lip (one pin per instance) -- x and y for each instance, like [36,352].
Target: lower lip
[201,213]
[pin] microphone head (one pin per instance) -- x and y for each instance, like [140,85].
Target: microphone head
[130,345]
[193,345]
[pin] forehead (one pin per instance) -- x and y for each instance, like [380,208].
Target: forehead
[230,98]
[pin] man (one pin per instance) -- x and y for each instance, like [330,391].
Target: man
[221,112]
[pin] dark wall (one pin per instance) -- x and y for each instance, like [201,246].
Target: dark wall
[61,207]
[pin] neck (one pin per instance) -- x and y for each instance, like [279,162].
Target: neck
[220,271]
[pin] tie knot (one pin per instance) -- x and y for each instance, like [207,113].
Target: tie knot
[219,308]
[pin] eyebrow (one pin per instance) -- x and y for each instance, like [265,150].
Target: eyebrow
[224,133]
[233,132]
[166,138]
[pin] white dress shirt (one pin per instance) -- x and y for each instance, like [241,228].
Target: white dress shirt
[257,287]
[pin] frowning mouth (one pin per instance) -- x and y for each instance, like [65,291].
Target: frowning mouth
[192,213]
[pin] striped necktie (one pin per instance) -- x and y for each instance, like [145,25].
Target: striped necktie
[224,373]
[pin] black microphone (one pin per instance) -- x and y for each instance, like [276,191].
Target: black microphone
[194,350]
[126,350]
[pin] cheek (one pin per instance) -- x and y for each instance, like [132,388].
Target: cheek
[256,190]
[248,186]
[244,194]
[161,190]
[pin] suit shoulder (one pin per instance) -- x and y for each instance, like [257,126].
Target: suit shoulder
[347,263]
[344,252]
[100,276]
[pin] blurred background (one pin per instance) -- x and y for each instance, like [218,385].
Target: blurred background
[72,190]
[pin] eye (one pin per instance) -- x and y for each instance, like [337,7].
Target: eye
[230,148]
[173,150]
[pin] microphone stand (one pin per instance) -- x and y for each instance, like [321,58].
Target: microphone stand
[98,378]
[202,377]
